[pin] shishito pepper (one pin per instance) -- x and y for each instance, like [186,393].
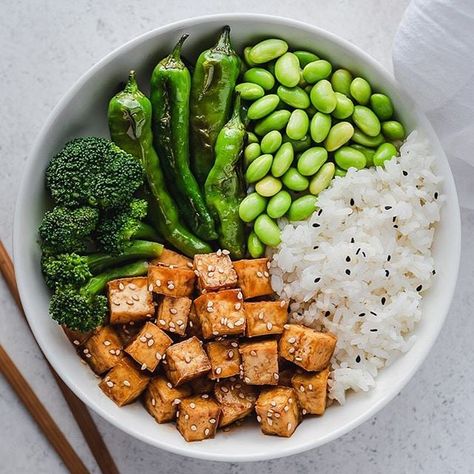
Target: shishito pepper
[224,187]
[170,90]
[129,117]
[214,80]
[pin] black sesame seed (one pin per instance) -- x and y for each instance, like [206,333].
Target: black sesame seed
[405,173]
[389,257]
[395,226]
[434,272]
[315,224]
[320,212]
[358,250]
[394,218]
[316,247]
[364,254]
[352,202]
[348,272]
[387,208]
[419,287]
[387,273]
[373,330]
[361,315]
[383,300]
[327,313]
[436,195]
[374,314]
[352,240]
[316,280]
[358,359]
[348,259]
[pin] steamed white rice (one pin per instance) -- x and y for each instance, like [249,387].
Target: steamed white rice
[359,265]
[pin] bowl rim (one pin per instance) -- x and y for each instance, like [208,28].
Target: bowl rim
[22,276]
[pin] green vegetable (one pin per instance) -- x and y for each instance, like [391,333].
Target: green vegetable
[382,106]
[294,180]
[255,246]
[258,168]
[275,121]
[261,77]
[360,90]
[344,107]
[384,152]
[322,179]
[317,70]
[393,130]
[298,125]
[251,207]
[224,186]
[93,171]
[298,145]
[302,208]
[170,92]
[268,186]
[320,126]
[287,70]
[251,137]
[213,83]
[323,97]
[362,139]
[341,81]
[348,157]
[249,91]
[338,135]
[311,160]
[279,204]
[267,230]
[267,50]
[271,142]
[263,106]
[368,153]
[251,153]
[282,160]
[247,59]
[340,172]
[294,97]
[305,57]
[366,120]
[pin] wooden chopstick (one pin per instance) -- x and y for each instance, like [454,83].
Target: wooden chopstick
[37,410]
[80,412]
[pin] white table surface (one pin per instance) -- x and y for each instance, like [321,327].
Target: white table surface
[44,47]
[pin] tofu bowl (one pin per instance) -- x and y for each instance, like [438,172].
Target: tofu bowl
[83,112]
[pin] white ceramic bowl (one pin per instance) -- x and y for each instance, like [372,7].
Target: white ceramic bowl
[83,111]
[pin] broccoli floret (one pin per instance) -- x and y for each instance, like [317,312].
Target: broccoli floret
[117,227]
[67,230]
[93,171]
[84,308]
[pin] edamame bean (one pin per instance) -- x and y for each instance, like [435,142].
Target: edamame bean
[247,58]
[305,57]
[267,230]
[298,124]
[271,142]
[302,208]
[317,70]
[344,107]
[294,96]
[258,168]
[255,246]
[251,207]
[268,186]
[384,152]
[360,90]
[249,90]
[363,139]
[323,97]
[341,81]
[275,121]
[368,153]
[267,50]
[295,181]
[338,135]
[287,70]
[348,157]
[393,130]
[261,77]
[322,179]
[279,204]
[311,160]
[251,137]
[320,126]
[340,172]
[282,160]
[366,120]
[263,106]
[251,153]
[382,106]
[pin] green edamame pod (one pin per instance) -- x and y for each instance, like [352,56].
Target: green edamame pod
[282,160]
[247,59]
[170,90]
[340,172]
[322,179]
[261,77]
[275,121]
[287,70]
[249,90]
[268,186]
[317,70]
[267,230]
[130,118]
[323,97]
[366,120]
[382,106]
[302,208]
[298,125]
[348,157]
[341,81]
[263,106]
[393,130]
[311,160]
[271,142]
[279,204]
[251,153]
[339,134]
[258,168]
[305,57]
[294,97]
[368,153]
[384,152]
[298,145]
[251,207]
[294,180]
[320,126]
[360,90]
[267,50]
[213,83]
[224,186]
[344,107]
[362,139]
[255,246]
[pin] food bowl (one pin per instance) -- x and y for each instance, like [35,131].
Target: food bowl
[82,111]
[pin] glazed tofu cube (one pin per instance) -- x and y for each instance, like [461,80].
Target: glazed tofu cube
[129,300]
[236,400]
[128,332]
[277,411]
[197,418]
[124,383]
[77,337]
[260,362]
[173,314]
[173,260]
[149,346]
[162,399]
[103,349]
[186,360]
[221,313]
[215,271]
[202,385]
[310,349]
[225,358]
[194,324]
[253,277]
[311,390]
[265,317]
[168,281]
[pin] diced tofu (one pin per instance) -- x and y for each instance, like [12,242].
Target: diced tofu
[197,418]
[253,277]
[173,314]
[130,300]
[225,358]
[310,349]
[103,349]
[77,337]
[221,313]
[215,271]
[185,361]
[171,281]
[149,346]
[124,383]
[162,399]
[260,362]
[194,324]
[311,390]
[172,259]
[237,400]
[265,317]
[277,411]
[202,385]
[128,332]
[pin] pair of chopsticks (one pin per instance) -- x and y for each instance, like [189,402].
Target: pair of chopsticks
[80,412]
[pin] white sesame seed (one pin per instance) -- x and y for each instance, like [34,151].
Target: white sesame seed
[143,339]
[112,351]
[169,385]
[226,252]
[121,286]
[150,287]
[220,270]
[286,326]
[143,367]
[153,402]
[286,408]
[266,274]
[289,426]
[196,272]
[76,342]
[191,324]
[126,383]
[179,322]
[304,411]
[192,405]
[282,303]
[292,340]
[186,417]
[206,432]
[269,326]
[240,296]
[189,264]
[240,322]
[109,384]
[259,274]
[86,351]
[234,344]
[273,403]
[230,354]
[162,322]
[158,356]
[230,325]
[88,356]
[253,352]
[310,386]
[270,421]
[219,371]
[204,395]
[193,427]
[210,309]
[135,297]
[261,315]
[172,325]
[301,388]
[241,395]
[291,350]
[268,265]
[275,376]
[215,333]
[259,418]
[170,286]
[106,342]
[237,306]
[277,415]
[246,380]
[298,358]
[150,342]
[173,311]
[187,359]
[158,282]
[212,421]
[147,335]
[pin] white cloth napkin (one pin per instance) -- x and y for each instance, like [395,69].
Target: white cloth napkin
[433,59]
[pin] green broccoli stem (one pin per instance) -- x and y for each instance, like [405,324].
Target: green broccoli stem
[146,232]
[136,249]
